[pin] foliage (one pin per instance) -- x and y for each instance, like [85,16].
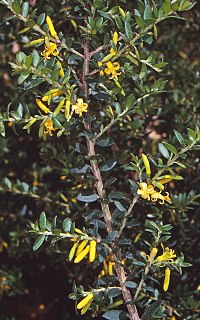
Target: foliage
[104,98]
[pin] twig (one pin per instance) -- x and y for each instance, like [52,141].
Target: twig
[127,214]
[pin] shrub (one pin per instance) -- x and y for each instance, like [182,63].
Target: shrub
[93,97]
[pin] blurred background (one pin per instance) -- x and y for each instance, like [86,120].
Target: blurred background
[32,178]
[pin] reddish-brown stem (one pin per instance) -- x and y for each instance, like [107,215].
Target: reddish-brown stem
[133,314]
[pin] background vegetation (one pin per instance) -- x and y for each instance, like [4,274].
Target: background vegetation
[35,176]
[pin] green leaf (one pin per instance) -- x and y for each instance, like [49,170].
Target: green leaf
[106,142]
[36,58]
[2,127]
[108,165]
[131,284]
[140,22]
[114,292]
[80,170]
[147,13]
[143,71]
[23,76]
[41,19]
[179,137]
[128,29]
[130,100]
[25,9]
[151,310]
[38,242]
[67,223]
[171,148]
[112,315]
[42,221]
[30,23]
[191,134]
[166,6]
[16,7]
[87,198]
[28,61]
[163,151]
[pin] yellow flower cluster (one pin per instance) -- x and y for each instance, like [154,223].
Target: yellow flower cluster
[79,107]
[85,303]
[108,268]
[149,193]
[51,49]
[49,127]
[107,67]
[167,256]
[82,248]
[111,69]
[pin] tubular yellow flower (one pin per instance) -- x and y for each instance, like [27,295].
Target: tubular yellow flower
[62,74]
[42,106]
[67,110]
[198,288]
[51,27]
[158,196]
[85,301]
[163,181]
[51,49]
[86,307]
[145,191]
[168,254]
[110,268]
[146,164]
[167,279]
[33,42]
[115,38]
[111,69]
[81,247]
[49,127]
[53,94]
[72,251]
[59,107]
[152,255]
[93,248]
[79,107]
[82,255]
[78,231]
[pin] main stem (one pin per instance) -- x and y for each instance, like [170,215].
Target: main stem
[133,314]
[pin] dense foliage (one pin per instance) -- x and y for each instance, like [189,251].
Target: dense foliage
[99,159]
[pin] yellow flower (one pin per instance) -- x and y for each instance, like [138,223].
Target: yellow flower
[3,244]
[62,74]
[85,303]
[42,106]
[49,127]
[111,69]
[72,251]
[82,255]
[115,38]
[145,191]
[157,195]
[146,164]
[167,279]
[52,93]
[93,247]
[81,247]
[79,107]
[51,27]
[152,255]
[51,49]
[198,288]
[168,254]
[148,192]
[108,267]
